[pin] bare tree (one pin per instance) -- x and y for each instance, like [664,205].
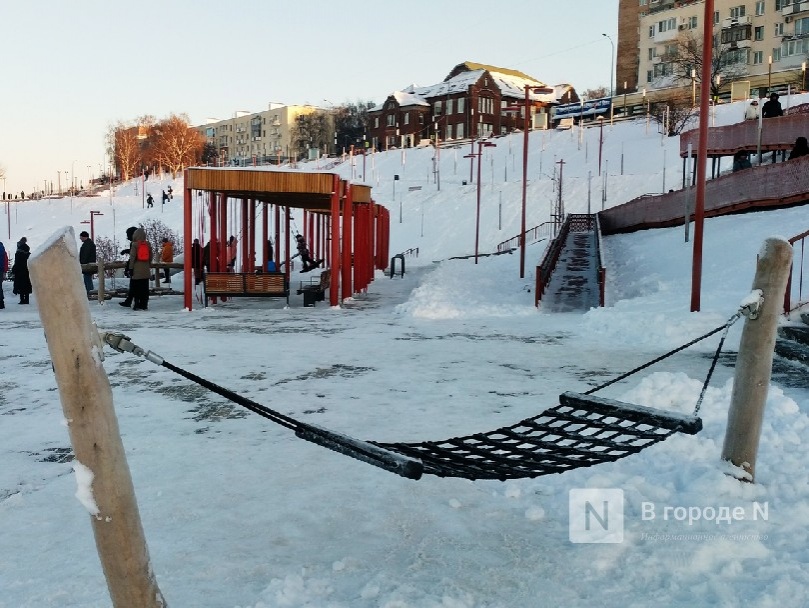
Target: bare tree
[675,114]
[596,93]
[728,64]
[175,144]
[156,231]
[126,149]
[311,131]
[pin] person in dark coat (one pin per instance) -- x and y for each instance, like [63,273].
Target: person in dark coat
[772,108]
[741,160]
[149,200]
[22,280]
[128,300]
[801,148]
[139,271]
[306,258]
[87,255]
[196,261]
[3,271]
[165,197]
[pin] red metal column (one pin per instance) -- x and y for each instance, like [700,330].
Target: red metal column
[334,252]
[348,219]
[277,227]
[359,248]
[287,269]
[265,235]
[245,231]
[188,293]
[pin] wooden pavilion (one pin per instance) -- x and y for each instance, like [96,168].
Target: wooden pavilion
[341,223]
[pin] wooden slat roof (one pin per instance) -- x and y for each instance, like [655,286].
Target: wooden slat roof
[296,189]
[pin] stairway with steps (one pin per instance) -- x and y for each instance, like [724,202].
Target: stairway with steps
[793,340]
[574,283]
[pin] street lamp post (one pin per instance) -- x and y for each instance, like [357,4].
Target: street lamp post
[612,71]
[91,221]
[693,87]
[769,75]
[479,154]
[803,76]
[526,124]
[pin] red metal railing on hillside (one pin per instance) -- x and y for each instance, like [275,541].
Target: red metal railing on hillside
[799,265]
[776,134]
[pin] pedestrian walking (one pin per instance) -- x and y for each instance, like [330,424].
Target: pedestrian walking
[149,200]
[87,255]
[167,256]
[139,267]
[22,280]
[772,108]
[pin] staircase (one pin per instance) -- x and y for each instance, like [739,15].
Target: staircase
[574,282]
[793,340]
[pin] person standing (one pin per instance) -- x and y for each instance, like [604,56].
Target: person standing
[171,192]
[139,266]
[772,108]
[128,300]
[149,200]
[3,271]
[801,148]
[196,261]
[87,255]
[751,113]
[232,252]
[165,197]
[167,256]
[741,160]
[22,280]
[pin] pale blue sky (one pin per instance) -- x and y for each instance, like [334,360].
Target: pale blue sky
[70,69]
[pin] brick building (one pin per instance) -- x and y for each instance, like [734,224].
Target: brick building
[474,100]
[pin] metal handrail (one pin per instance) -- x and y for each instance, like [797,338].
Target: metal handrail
[535,233]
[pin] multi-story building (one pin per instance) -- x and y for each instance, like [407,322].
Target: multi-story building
[474,100]
[256,137]
[766,41]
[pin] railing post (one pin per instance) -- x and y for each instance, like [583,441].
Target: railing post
[754,361]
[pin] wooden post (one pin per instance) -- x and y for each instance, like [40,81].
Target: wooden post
[86,397]
[100,280]
[754,361]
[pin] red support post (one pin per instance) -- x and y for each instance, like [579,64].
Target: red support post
[188,291]
[348,210]
[702,154]
[524,183]
[334,296]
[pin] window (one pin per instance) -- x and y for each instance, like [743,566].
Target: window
[759,8]
[692,22]
[642,3]
[651,31]
[802,26]
[391,120]
[449,106]
[779,29]
[737,11]
[651,53]
[776,54]
[666,25]
[437,108]
[715,17]
[407,118]
[459,130]
[376,122]
[758,57]
[778,4]
[648,75]
[758,33]
[793,47]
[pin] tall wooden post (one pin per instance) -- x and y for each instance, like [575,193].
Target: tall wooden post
[754,361]
[86,397]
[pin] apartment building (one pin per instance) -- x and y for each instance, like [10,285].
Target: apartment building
[250,138]
[766,41]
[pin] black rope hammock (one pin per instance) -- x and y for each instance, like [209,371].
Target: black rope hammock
[581,431]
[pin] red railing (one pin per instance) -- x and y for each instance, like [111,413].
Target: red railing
[776,134]
[799,264]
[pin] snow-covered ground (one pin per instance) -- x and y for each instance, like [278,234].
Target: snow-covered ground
[239,513]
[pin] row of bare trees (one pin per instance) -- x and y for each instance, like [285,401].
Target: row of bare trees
[169,144]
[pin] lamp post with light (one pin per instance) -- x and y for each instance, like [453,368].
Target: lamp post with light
[612,71]
[803,76]
[769,75]
[91,221]
[479,154]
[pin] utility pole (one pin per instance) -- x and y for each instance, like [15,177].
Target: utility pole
[560,210]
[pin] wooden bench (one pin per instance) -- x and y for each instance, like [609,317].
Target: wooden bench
[315,290]
[246,285]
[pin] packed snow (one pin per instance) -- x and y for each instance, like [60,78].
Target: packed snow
[237,512]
